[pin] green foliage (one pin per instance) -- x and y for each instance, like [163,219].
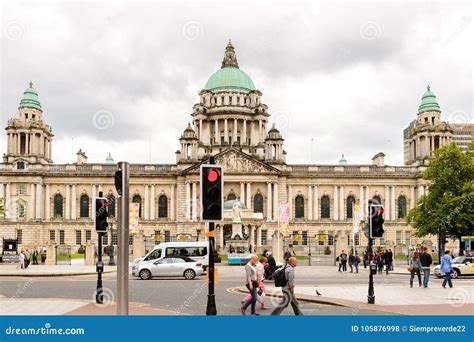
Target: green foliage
[448,208]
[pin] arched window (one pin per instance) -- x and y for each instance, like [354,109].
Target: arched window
[111,200]
[163,206]
[21,209]
[137,199]
[84,206]
[231,197]
[58,205]
[299,207]
[325,207]
[376,199]
[402,206]
[350,206]
[258,203]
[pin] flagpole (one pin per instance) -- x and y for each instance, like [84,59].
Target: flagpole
[278,238]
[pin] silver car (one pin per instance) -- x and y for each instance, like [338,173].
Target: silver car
[170,266]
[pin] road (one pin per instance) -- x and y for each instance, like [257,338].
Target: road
[189,296]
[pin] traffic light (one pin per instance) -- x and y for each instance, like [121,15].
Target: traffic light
[212,200]
[376,221]
[101,214]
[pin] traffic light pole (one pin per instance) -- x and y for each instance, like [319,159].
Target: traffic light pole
[99,298]
[211,309]
[371,294]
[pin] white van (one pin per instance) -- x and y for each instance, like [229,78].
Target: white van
[197,251]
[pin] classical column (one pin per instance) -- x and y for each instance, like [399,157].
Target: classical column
[412,197]
[336,206]
[392,207]
[367,197]
[216,131]
[290,201]
[260,130]
[8,206]
[172,210]
[73,202]
[67,201]
[221,237]
[194,202]
[269,201]
[341,203]
[387,203]
[26,143]
[200,129]
[249,196]
[426,190]
[310,203]
[251,236]
[259,236]
[226,133]
[39,200]
[244,132]
[152,202]
[242,193]
[275,201]
[47,205]
[188,201]
[362,200]
[146,201]
[316,203]
[94,195]
[234,137]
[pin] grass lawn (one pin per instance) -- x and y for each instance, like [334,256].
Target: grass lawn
[73,256]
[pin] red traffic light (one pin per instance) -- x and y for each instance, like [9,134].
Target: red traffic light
[213,175]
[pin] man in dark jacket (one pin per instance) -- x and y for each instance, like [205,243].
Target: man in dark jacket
[426,262]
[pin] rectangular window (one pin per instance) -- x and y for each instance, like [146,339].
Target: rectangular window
[398,237]
[61,237]
[114,237]
[349,242]
[187,251]
[167,236]
[321,238]
[21,189]
[52,235]
[21,210]
[78,237]
[407,238]
[356,239]
[130,240]
[19,236]
[296,237]
[157,237]
[305,237]
[88,235]
[264,237]
[330,238]
[198,234]
[105,239]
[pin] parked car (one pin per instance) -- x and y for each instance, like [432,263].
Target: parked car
[462,265]
[169,266]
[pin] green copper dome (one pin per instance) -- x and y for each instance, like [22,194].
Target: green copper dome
[343,160]
[428,102]
[230,77]
[30,98]
[109,159]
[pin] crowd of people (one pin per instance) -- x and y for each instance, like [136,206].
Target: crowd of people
[25,258]
[352,261]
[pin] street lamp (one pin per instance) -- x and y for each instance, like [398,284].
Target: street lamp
[111,247]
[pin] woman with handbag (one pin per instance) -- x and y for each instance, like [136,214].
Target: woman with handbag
[415,267]
[251,276]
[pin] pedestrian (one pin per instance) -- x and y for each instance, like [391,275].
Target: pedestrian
[343,258]
[289,290]
[415,267]
[426,261]
[35,257]
[287,256]
[351,261]
[27,258]
[380,262]
[262,263]
[21,260]
[356,262]
[338,260]
[271,264]
[390,259]
[251,276]
[447,268]
[365,257]
[386,258]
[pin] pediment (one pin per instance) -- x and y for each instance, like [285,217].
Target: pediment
[237,162]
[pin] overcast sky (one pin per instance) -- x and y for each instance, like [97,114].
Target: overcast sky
[338,78]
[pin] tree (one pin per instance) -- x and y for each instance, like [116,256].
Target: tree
[448,209]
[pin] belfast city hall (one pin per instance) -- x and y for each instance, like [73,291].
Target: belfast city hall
[43,202]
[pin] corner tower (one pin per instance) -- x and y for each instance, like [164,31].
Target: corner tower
[28,138]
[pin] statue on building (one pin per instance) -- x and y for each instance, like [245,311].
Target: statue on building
[236,209]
